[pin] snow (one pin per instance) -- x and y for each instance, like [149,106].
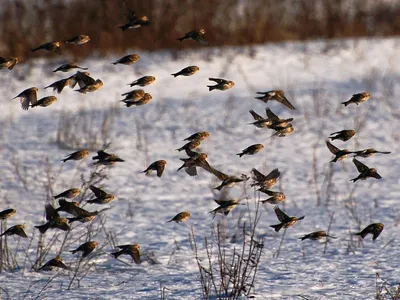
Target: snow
[315,78]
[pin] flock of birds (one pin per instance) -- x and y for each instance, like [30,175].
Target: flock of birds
[193,161]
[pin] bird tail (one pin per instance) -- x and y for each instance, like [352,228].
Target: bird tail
[180,39]
[91,201]
[116,254]
[354,179]
[175,74]
[346,103]
[35,49]
[73,251]
[65,159]
[277,227]
[262,99]
[219,187]
[42,228]
[240,154]
[124,27]
[114,63]
[303,238]
[361,233]
[211,87]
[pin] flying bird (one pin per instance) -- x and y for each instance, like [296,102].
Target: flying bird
[133,20]
[142,101]
[181,217]
[70,193]
[265,181]
[60,85]
[225,206]
[54,263]
[143,81]
[317,235]
[133,96]
[195,35]
[77,155]
[127,59]
[276,197]
[194,144]
[369,152]
[16,230]
[364,171]
[78,40]
[228,181]
[52,47]
[102,197]
[104,158]
[7,213]
[157,166]
[86,248]
[97,84]
[222,84]
[358,98]
[251,150]
[340,154]
[198,136]
[375,229]
[27,97]
[45,101]
[131,250]
[277,95]
[285,220]
[53,221]
[188,71]
[8,62]
[343,135]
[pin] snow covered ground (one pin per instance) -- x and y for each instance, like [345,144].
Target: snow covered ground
[315,78]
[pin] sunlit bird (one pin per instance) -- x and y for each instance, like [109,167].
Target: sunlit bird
[222,84]
[195,35]
[364,171]
[181,217]
[133,250]
[369,152]
[375,229]
[78,40]
[251,150]
[343,135]
[143,81]
[188,71]
[45,101]
[358,98]
[86,248]
[102,197]
[54,263]
[317,235]
[285,220]
[277,95]
[8,62]
[16,230]
[158,166]
[127,59]
[27,97]
[340,154]
[52,47]
[77,155]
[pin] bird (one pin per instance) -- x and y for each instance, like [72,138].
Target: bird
[158,166]
[190,145]
[343,135]
[82,219]
[358,98]
[364,171]
[54,263]
[86,248]
[277,95]
[53,221]
[195,35]
[276,197]
[7,213]
[181,217]
[142,101]
[285,131]
[8,62]
[17,230]
[251,150]
[222,84]
[260,122]
[285,220]
[77,155]
[194,161]
[102,197]
[228,181]
[276,122]
[70,193]
[143,81]
[52,47]
[265,181]
[133,20]
[340,154]
[369,152]
[375,229]
[127,59]
[81,78]
[27,97]
[198,136]
[78,40]
[317,235]
[68,67]
[133,95]
[188,71]
[91,87]
[104,158]
[131,249]
[225,206]
[45,101]
[59,85]
[74,209]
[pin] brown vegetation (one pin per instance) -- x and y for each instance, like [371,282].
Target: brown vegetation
[26,24]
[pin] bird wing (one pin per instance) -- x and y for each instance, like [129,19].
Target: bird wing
[258,176]
[51,212]
[99,193]
[218,174]
[360,166]
[273,174]
[282,99]
[135,254]
[160,169]
[280,214]
[217,80]
[256,116]
[332,148]
[271,115]
[192,171]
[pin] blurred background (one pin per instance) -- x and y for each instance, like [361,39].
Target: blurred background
[29,23]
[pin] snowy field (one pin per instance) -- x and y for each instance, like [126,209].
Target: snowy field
[315,78]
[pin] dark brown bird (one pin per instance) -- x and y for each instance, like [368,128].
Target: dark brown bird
[276,197]
[17,230]
[369,152]
[8,62]
[364,171]
[53,221]
[105,158]
[317,235]
[127,59]
[343,135]
[196,35]
[181,217]
[188,71]
[82,219]
[375,229]
[77,155]
[251,150]
[70,193]
[7,213]
[358,98]
[265,181]
[285,220]
[68,67]
[85,248]
[194,161]
[54,263]
[102,197]
[228,181]
[225,206]
[158,166]
[260,122]
[190,145]
[340,154]
[222,84]
[27,97]
[45,101]
[276,122]
[277,95]
[132,250]
[52,47]
[133,20]
[143,81]
[78,40]
[198,136]
[73,208]
[59,85]
[81,78]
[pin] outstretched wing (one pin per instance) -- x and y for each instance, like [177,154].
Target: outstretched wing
[99,193]
[282,217]
[360,166]
[271,115]
[255,115]
[273,174]
[217,80]
[282,99]
[332,148]
[257,175]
